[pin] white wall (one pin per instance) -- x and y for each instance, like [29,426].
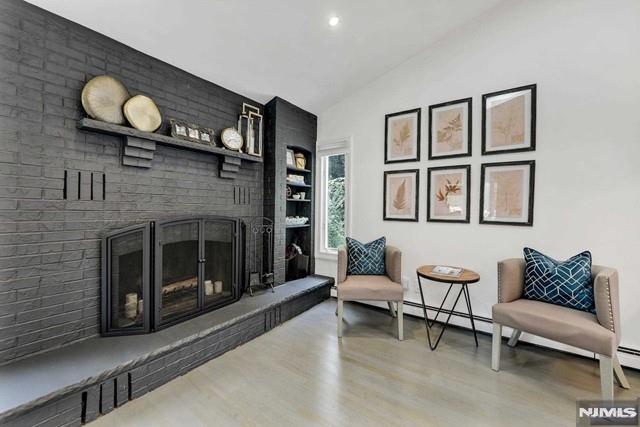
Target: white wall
[585,58]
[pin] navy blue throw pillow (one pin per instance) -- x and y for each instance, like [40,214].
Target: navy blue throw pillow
[566,283]
[365,258]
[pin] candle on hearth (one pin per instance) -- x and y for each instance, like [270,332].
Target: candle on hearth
[208,287]
[131,298]
[131,310]
[140,306]
[218,286]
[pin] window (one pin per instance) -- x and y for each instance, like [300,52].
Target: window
[334,196]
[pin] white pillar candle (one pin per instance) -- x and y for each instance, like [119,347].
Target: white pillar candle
[131,298]
[131,310]
[140,306]
[218,285]
[208,287]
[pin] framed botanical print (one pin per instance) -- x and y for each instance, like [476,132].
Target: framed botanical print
[509,120]
[402,136]
[401,190]
[506,193]
[448,195]
[450,129]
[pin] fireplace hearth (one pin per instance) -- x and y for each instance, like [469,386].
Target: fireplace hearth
[161,273]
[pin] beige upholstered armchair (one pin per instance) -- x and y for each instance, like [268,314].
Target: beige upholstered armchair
[598,333]
[372,288]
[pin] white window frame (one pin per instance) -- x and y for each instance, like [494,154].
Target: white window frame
[323,151]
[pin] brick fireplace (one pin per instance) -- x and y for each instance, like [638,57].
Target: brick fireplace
[65,188]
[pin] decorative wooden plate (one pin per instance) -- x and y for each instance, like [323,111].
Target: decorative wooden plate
[142,113]
[103,98]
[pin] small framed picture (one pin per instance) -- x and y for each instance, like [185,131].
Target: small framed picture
[509,120]
[401,190]
[448,195]
[178,129]
[506,193]
[402,136]
[206,136]
[193,133]
[291,158]
[450,129]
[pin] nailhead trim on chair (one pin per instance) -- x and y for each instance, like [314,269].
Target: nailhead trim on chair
[611,323]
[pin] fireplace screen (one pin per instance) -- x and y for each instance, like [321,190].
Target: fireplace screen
[194,268]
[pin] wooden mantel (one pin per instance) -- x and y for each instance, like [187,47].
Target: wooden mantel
[139,147]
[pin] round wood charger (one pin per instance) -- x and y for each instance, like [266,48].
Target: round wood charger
[142,113]
[103,98]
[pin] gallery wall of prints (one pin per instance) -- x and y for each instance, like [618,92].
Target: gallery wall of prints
[586,147]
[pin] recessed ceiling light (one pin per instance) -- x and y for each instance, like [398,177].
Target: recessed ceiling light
[333,21]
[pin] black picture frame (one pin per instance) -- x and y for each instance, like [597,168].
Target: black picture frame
[417,195]
[418,112]
[469,102]
[532,174]
[467,218]
[486,96]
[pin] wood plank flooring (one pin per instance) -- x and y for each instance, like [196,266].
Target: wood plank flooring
[300,374]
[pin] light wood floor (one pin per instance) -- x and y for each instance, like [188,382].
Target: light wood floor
[300,374]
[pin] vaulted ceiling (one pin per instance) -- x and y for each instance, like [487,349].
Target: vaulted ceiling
[263,48]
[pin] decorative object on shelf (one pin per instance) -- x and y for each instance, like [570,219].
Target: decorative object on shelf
[178,129]
[401,190]
[103,98]
[506,193]
[450,129]
[301,161]
[448,195]
[295,179]
[142,113]
[509,120]
[260,242]
[290,158]
[402,136]
[207,135]
[296,196]
[296,220]
[231,139]
[289,192]
[192,132]
[303,195]
[250,127]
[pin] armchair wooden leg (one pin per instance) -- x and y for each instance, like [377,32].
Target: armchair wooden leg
[400,318]
[391,309]
[515,336]
[340,311]
[619,374]
[606,377]
[495,346]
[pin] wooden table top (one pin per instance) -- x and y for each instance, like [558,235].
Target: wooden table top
[467,276]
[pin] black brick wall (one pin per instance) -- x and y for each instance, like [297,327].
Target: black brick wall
[50,246]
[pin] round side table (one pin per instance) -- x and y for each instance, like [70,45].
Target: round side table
[465,278]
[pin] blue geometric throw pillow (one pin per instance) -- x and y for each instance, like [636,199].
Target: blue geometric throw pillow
[365,258]
[566,283]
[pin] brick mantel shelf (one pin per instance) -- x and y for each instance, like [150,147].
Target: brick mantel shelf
[139,147]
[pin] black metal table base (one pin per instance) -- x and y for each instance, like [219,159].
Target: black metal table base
[463,290]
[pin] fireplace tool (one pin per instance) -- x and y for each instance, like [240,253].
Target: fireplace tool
[261,272]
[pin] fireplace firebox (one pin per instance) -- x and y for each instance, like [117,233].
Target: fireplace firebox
[160,273]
